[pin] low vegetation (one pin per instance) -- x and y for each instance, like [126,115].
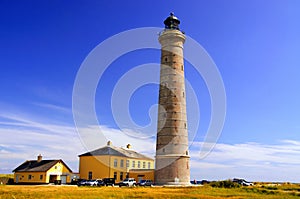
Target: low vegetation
[224,184]
[288,191]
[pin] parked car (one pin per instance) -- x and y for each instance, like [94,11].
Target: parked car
[109,181]
[202,182]
[242,182]
[94,183]
[81,182]
[145,183]
[128,182]
[91,183]
[100,183]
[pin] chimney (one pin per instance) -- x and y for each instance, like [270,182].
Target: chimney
[109,143]
[128,146]
[39,158]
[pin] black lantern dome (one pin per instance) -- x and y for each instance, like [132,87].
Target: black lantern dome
[172,22]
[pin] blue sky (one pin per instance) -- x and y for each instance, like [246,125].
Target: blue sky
[255,45]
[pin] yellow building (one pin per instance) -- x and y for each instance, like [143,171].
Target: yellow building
[42,171]
[115,162]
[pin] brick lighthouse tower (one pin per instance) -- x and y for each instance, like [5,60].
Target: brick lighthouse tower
[172,156]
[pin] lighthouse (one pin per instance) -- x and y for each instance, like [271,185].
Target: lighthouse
[172,160]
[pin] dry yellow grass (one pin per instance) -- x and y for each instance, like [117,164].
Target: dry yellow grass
[205,192]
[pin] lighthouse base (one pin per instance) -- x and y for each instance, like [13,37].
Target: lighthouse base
[174,171]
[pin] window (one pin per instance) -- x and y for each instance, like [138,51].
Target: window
[127,163]
[144,165]
[182,94]
[41,177]
[182,67]
[133,163]
[29,177]
[122,163]
[149,165]
[115,162]
[90,175]
[185,125]
[139,164]
[115,175]
[127,175]
[121,175]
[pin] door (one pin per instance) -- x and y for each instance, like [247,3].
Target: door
[17,178]
[63,179]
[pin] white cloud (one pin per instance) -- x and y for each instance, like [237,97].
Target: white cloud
[255,161]
[54,107]
[24,138]
[95,136]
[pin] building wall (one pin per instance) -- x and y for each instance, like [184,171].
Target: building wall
[95,164]
[30,177]
[43,177]
[147,174]
[57,171]
[98,167]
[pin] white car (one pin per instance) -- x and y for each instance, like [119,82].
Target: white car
[242,182]
[128,182]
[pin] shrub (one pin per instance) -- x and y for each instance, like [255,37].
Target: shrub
[224,184]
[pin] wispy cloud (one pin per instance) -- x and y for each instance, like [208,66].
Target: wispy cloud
[54,107]
[24,137]
[261,162]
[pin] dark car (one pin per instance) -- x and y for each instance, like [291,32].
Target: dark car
[100,183]
[109,181]
[145,183]
[81,182]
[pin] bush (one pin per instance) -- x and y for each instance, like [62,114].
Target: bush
[224,184]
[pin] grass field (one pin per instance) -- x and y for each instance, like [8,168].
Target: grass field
[205,192]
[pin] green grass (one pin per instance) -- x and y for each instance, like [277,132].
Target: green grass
[204,192]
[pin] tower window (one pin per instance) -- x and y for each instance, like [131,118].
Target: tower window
[166,59]
[185,125]
[182,94]
[90,175]
[182,67]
